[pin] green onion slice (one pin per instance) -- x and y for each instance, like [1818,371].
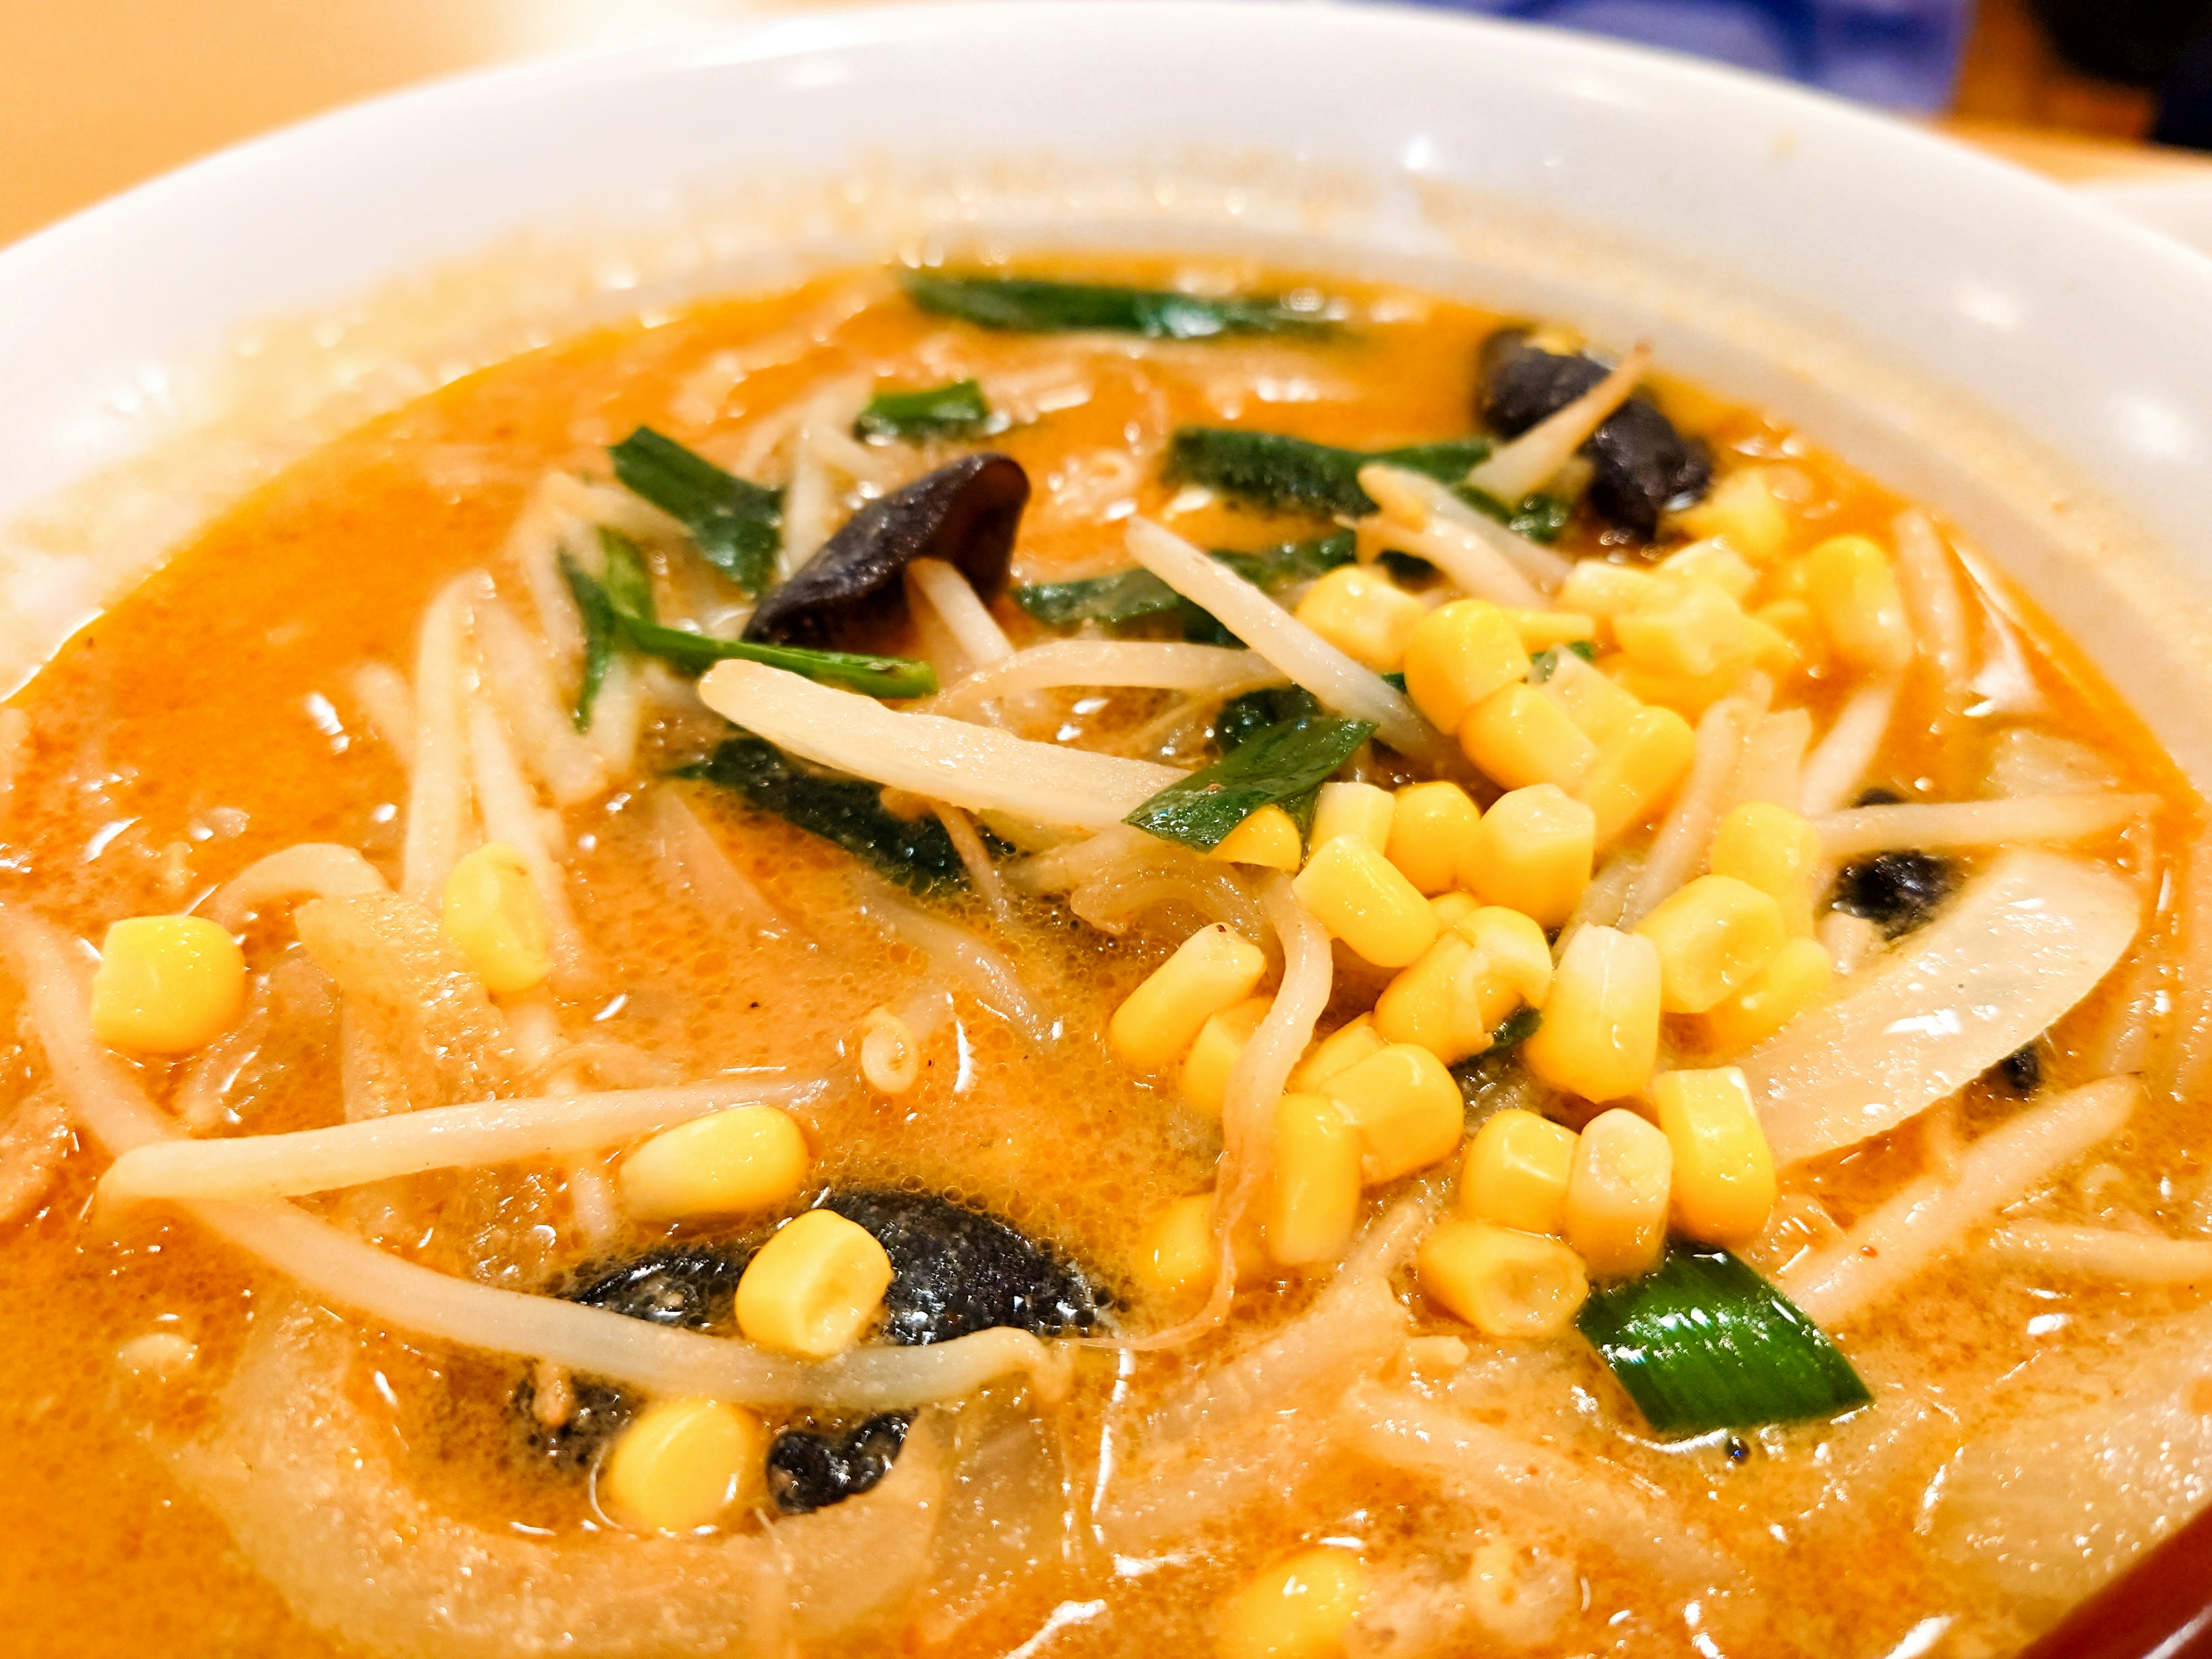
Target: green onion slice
[957,411]
[915,852]
[1705,1343]
[1028,305]
[1275,471]
[738,526]
[1283,764]
[1122,597]
[599,615]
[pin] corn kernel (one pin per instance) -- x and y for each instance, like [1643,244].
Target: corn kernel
[1519,736]
[1688,697]
[1505,1284]
[1713,936]
[1212,970]
[1450,908]
[1595,704]
[1340,1051]
[1776,850]
[1359,896]
[1299,1608]
[1516,1172]
[1600,1038]
[1313,1192]
[1206,1069]
[1604,591]
[1724,1182]
[1743,511]
[1853,591]
[682,1464]
[1431,829]
[167,984]
[1699,631]
[1176,1256]
[1533,851]
[1797,977]
[814,1287]
[1711,560]
[1638,770]
[1354,809]
[891,1053]
[1793,622]
[1406,1108]
[1540,630]
[1772,652]
[1421,1005]
[744,1158]
[1460,654]
[1514,959]
[1268,836]
[1616,1193]
[491,911]
[1362,614]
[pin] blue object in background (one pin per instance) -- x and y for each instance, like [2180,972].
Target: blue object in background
[1902,54]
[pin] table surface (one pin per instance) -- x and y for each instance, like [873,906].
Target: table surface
[98,94]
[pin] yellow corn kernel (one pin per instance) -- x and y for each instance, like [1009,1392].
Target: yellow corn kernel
[1724,1182]
[1776,850]
[1595,702]
[1514,959]
[1268,836]
[1431,829]
[1313,1191]
[1176,1256]
[1421,1005]
[167,984]
[1516,1172]
[1505,1284]
[1713,936]
[1540,630]
[1600,1038]
[1359,896]
[1362,614]
[682,1464]
[1450,908]
[891,1054]
[1212,970]
[1698,631]
[744,1158]
[1354,809]
[1406,1108]
[1206,1069]
[1793,622]
[1519,736]
[1853,591]
[1459,655]
[1743,511]
[1604,591]
[491,911]
[1340,1051]
[1616,1193]
[1638,770]
[1687,697]
[1797,977]
[1533,851]
[1712,561]
[814,1287]
[1299,1608]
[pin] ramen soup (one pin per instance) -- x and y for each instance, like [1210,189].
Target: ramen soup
[965,963]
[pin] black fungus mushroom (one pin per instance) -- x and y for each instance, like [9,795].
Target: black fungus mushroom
[1641,464]
[2020,1072]
[1898,891]
[810,1468]
[965,514]
[955,1271]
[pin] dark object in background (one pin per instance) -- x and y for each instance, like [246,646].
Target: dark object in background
[2184,102]
[1899,891]
[1641,462]
[2162,44]
[810,1468]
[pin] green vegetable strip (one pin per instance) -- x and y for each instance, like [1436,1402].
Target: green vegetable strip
[1515,1029]
[694,653]
[914,852]
[628,583]
[1539,517]
[599,617]
[1029,306]
[1293,475]
[941,411]
[1244,718]
[1705,1343]
[1277,765]
[1128,596]
[738,526]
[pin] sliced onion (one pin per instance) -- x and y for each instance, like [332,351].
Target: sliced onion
[1481,556]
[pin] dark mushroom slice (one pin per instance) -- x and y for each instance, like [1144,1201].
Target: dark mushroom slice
[812,1468]
[957,1270]
[965,512]
[1641,464]
[1898,891]
[2020,1072]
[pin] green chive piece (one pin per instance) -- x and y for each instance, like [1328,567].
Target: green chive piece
[1515,1029]
[628,581]
[1122,597]
[1539,517]
[1026,304]
[598,617]
[1286,760]
[737,525]
[1705,1343]
[916,853]
[957,411]
[1275,471]
[1244,718]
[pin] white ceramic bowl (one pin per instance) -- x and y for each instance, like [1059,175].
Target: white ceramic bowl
[2038,367]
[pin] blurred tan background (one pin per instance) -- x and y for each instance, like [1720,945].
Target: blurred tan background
[97,95]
